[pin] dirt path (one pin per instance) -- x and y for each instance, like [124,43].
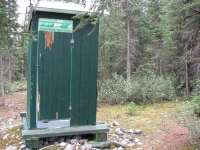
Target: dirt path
[10,114]
[160,131]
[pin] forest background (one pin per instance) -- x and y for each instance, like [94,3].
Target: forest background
[149,50]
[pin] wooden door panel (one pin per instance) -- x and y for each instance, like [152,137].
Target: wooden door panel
[54,77]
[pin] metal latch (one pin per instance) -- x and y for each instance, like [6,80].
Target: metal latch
[70,107]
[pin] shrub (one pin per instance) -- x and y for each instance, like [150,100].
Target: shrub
[140,89]
[113,90]
[196,105]
[190,120]
[132,108]
[19,85]
[152,88]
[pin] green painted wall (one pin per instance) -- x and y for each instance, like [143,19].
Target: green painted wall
[66,85]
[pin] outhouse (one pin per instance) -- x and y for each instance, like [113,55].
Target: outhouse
[62,74]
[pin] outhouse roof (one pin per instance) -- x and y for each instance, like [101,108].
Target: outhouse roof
[60,7]
[57,7]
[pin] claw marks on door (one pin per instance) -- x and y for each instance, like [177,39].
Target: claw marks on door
[49,39]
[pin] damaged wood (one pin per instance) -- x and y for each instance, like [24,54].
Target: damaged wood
[49,39]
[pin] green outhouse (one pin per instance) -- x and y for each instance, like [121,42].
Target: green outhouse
[62,73]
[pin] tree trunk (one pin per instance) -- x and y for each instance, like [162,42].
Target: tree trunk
[160,57]
[186,78]
[9,72]
[128,65]
[1,81]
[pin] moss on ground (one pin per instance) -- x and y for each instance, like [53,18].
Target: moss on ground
[12,141]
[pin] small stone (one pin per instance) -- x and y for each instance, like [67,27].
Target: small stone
[115,143]
[9,123]
[118,131]
[13,136]
[111,126]
[11,148]
[82,141]
[20,143]
[11,105]
[3,123]
[61,139]
[136,140]
[56,143]
[52,139]
[22,146]
[130,131]
[83,148]
[138,148]
[63,144]
[78,137]
[101,144]
[139,143]
[138,131]
[6,137]
[88,146]
[69,147]
[73,141]
[10,120]
[115,123]
[131,145]
[124,143]
[120,148]
[68,141]
[46,143]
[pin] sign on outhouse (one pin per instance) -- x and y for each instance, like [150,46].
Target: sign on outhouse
[62,72]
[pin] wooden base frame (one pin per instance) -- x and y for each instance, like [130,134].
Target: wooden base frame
[32,136]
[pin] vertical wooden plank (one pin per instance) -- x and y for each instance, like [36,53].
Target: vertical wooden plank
[85,76]
[46,105]
[32,117]
[93,77]
[40,56]
[75,78]
[66,75]
[28,84]
[57,52]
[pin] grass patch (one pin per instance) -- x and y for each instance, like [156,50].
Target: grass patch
[153,120]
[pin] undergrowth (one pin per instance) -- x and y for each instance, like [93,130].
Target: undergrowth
[153,120]
[149,88]
[19,85]
[189,117]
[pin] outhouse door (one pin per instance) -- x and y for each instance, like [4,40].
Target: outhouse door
[54,73]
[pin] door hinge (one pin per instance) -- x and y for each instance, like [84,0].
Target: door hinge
[70,107]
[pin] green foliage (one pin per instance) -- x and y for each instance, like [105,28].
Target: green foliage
[132,108]
[115,89]
[187,117]
[19,85]
[141,89]
[196,105]
[152,88]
